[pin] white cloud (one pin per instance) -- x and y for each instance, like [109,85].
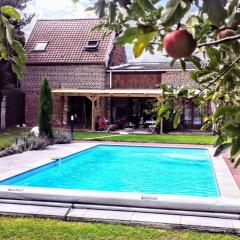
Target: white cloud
[56,9]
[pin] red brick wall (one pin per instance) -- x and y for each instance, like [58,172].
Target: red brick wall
[178,78]
[65,76]
[141,80]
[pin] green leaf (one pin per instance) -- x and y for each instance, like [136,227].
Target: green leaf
[215,10]
[162,111]
[191,23]
[137,9]
[179,12]
[138,48]
[19,67]
[17,47]
[196,61]
[214,58]
[237,159]
[176,120]
[183,65]
[169,10]
[232,7]
[16,69]
[221,148]
[11,12]
[3,42]
[128,36]
[9,30]
[145,36]
[206,126]
[147,5]
[235,149]
[226,111]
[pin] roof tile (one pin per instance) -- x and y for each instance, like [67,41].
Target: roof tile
[67,39]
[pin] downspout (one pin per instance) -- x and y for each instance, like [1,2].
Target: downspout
[110,79]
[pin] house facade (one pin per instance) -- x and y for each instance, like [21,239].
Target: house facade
[90,77]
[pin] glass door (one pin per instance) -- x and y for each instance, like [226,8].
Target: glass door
[192,118]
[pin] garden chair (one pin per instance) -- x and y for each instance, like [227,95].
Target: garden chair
[154,129]
[104,126]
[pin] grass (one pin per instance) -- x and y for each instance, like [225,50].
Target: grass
[9,137]
[34,229]
[166,138]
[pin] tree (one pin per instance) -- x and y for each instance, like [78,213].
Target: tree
[12,54]
[46,106]
[11,50]
[207,33]
[19,24]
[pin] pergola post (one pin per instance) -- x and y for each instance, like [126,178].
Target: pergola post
[161,122]
[65,111]
[93,100]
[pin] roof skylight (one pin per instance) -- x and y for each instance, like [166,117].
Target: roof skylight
[92,45]
[135,67]
[41,46]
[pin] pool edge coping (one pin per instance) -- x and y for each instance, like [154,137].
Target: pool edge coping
[220,168]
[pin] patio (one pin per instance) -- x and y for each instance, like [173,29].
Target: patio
[95,94]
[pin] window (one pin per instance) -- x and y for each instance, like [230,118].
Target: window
[41,46]
[92,45]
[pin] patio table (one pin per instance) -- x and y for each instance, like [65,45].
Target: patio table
[129,127]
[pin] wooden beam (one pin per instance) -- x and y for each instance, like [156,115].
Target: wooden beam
[93,99]
[161,122]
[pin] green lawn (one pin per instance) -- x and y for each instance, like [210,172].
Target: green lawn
[8,137]
[190,139]
[33,229]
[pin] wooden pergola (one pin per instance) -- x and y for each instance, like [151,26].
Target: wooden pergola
[95,94]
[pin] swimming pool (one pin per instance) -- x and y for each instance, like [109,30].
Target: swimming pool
[135,169]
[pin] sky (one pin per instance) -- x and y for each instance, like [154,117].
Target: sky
[57,9]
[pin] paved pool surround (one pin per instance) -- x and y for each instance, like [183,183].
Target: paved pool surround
[227,203]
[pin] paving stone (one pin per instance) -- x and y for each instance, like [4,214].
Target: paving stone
[77,213]
[155,218]
[207,222]
[20,209]
[236,224]
[108,215]
[53,211]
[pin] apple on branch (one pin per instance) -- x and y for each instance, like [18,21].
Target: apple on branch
[179,44]
[226,33]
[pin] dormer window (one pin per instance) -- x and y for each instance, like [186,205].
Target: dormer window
[41,46]
[92,45]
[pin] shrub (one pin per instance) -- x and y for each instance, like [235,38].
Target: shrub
[62,137]
[46,107]
[26,142]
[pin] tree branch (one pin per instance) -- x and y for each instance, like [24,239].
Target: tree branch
[217,42]
[220,75]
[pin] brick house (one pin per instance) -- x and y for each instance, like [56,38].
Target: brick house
[90,76]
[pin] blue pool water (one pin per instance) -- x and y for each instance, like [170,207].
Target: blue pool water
[155,170]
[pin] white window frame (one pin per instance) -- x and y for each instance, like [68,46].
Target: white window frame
[41,49]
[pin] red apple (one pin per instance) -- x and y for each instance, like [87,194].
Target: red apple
[226,33]
[179,44]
